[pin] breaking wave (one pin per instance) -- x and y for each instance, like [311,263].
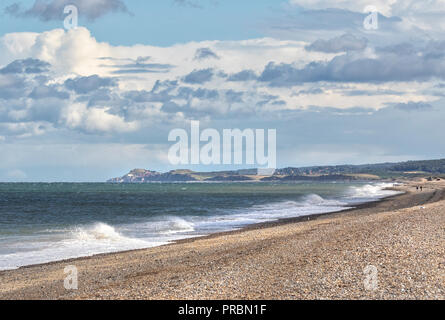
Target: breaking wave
[372,191]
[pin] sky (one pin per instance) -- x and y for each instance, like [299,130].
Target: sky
[93,102]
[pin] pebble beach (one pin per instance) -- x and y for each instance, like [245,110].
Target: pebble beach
[391,249]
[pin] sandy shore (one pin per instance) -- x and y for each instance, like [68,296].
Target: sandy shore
[401,238]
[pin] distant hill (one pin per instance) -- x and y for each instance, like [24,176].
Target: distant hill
[381,169]
[315,173]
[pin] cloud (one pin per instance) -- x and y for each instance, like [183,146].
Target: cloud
[205,53]
[397,18]
[43,92]
[188,3]
[171,107]
[29,66]
[48,10]
[311,91]
[384,67]
[77,87]
[413,106]
[383,6]
[199,76]
[200,93]
[74,51]
[84,85]
[388,8]
[78,116]
[12,86]
[307,23]
[24,130]
[244,75]
[344,43]
[136,66]
[234,96]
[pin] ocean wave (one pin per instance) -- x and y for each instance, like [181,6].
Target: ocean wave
[371,191]
[97,232]
[176,225]
[317,200]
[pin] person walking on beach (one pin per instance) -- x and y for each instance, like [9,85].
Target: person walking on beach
[417,188]
[421,188]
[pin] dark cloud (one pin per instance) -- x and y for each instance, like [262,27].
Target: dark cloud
[234,96]
[12,86]
[413,106]
[83,85]
[267,99]
[171,107]
[28,66]
[48,10]
[135,66]
[205,53]
[373,92]
[164,85]
[279,103]
[200,93]
[310,91]
[346,42]
[161,92]
[43,92]
[199,76]
[400,48]
[138,71]
[139,67]
[385,67]
[13,9]
[244,75]
[148,96]
[188,3]
[48,110]
[99,97]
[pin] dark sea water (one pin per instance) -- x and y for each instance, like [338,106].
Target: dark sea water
[42,222]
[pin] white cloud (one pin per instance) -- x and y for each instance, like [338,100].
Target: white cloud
[111,109]
[78,116]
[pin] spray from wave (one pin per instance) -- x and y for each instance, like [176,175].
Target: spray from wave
[177,225]
[372,191]
[97,232]
[316,200]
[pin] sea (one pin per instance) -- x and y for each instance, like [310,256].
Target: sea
[45,222]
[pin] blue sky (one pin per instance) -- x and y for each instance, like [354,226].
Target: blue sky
[94,102]
[164,23]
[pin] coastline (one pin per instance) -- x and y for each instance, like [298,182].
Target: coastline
[253,226]
[45,281]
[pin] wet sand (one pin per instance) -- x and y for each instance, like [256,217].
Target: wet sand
[391,249]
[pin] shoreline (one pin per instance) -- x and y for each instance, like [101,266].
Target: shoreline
[254,226]
[45,281]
